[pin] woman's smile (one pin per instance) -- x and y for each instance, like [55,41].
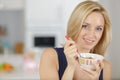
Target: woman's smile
[89,41]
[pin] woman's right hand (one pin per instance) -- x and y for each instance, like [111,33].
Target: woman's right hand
[70,51]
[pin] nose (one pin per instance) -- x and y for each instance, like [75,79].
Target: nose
[91,32]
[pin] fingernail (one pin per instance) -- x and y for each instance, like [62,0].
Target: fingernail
[71,44]
[77,50]
[68,38]
[98,61]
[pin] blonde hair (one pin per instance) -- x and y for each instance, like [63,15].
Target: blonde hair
[79,15]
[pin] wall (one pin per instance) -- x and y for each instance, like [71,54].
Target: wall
[113,53]
[43,12]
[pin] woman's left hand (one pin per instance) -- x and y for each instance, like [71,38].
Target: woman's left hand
[89,74]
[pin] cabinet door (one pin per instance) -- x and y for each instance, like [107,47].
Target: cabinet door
[43,11]
[11,4]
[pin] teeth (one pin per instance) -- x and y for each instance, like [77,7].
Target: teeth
[89,40]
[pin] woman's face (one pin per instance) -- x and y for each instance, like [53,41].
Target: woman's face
[91,32]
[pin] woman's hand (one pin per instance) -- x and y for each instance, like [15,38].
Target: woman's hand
[70,51]
[89,74]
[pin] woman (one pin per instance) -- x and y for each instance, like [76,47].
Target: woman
[89,31]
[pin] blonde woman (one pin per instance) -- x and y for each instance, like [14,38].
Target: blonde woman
[89,31]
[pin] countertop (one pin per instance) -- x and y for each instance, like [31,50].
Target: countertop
[19,73]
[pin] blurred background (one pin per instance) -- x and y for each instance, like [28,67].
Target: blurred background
[27,27]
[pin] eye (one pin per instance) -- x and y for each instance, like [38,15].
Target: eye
[84,26]
[99,28]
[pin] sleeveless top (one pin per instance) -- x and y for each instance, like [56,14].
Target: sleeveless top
[63,63]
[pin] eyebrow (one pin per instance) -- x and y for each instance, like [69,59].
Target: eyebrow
[89,24]
[86,23]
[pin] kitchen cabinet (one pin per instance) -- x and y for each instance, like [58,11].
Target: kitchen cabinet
[11,4]
[43,12]
[12,21]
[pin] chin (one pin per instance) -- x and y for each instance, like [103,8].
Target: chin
[88,47]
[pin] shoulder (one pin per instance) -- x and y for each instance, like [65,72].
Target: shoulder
[107,70]
[49,51]
[49,65]
[49,55]
[107,64]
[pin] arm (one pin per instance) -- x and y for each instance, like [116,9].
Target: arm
[107,71]
[49,65]
[70,51]
[69,72]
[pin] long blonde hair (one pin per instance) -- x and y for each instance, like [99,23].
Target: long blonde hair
[79,15]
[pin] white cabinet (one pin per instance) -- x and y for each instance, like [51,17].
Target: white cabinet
[12,18]
[11,4]
[43,12]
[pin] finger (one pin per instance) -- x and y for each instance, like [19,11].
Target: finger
[74,55]
[69,43]
[70,50]
[88,70]
[67,37]
[101,64]
[98,66]
[71,55]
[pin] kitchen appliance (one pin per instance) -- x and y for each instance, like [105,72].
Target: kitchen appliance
[44,37]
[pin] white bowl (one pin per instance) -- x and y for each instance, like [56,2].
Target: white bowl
[86,59]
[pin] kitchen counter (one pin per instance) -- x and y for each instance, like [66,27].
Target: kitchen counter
[19,76]
[19,72]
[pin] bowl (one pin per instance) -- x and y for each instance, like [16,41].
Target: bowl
[86,60]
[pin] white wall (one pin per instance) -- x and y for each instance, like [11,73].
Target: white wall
[113,53]
[43,12]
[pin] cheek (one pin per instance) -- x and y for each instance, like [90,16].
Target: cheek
[98,35]
[79,39]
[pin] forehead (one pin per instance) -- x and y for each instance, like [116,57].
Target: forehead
[95,18]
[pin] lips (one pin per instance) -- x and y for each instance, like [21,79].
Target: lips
[89,41]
